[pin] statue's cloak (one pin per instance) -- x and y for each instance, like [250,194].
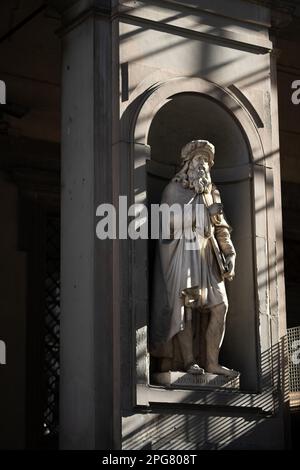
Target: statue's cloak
[180,265]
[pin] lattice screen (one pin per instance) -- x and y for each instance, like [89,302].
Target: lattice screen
[52,319]
[294,358]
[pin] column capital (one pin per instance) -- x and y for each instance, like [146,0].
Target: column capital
[287,6]
[73,11]
[61,6]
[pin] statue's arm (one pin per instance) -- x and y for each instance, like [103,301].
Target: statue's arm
[221,227]
[222,234]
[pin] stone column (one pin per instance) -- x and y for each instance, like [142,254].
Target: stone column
[89,397]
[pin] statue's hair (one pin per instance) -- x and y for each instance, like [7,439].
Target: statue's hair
[181,176]
[187,154]
[193,147]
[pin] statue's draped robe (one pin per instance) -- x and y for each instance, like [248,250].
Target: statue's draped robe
[177,267]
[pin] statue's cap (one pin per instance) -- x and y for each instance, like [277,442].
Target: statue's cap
[198,146]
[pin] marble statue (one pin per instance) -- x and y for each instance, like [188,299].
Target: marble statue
[189,301]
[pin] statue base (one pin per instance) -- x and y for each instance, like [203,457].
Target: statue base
[176,379]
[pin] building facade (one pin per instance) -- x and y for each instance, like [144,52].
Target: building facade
[100,98]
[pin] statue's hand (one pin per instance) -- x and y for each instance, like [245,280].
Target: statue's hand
[230,265]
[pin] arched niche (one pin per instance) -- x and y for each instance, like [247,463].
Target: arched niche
[170,115]
[188,116]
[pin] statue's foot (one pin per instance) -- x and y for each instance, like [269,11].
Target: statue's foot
[221,370]
[194,369]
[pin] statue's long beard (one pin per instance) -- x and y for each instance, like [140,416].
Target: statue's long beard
[200,184]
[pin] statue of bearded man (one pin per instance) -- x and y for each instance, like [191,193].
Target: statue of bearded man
[189,303]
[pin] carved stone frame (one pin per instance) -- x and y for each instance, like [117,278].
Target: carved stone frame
[147,102]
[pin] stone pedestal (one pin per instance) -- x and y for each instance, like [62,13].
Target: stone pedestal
[183,380]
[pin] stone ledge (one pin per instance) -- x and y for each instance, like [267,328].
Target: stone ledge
[206,380]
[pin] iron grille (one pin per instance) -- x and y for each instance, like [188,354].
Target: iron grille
[294,358]
[52,326]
